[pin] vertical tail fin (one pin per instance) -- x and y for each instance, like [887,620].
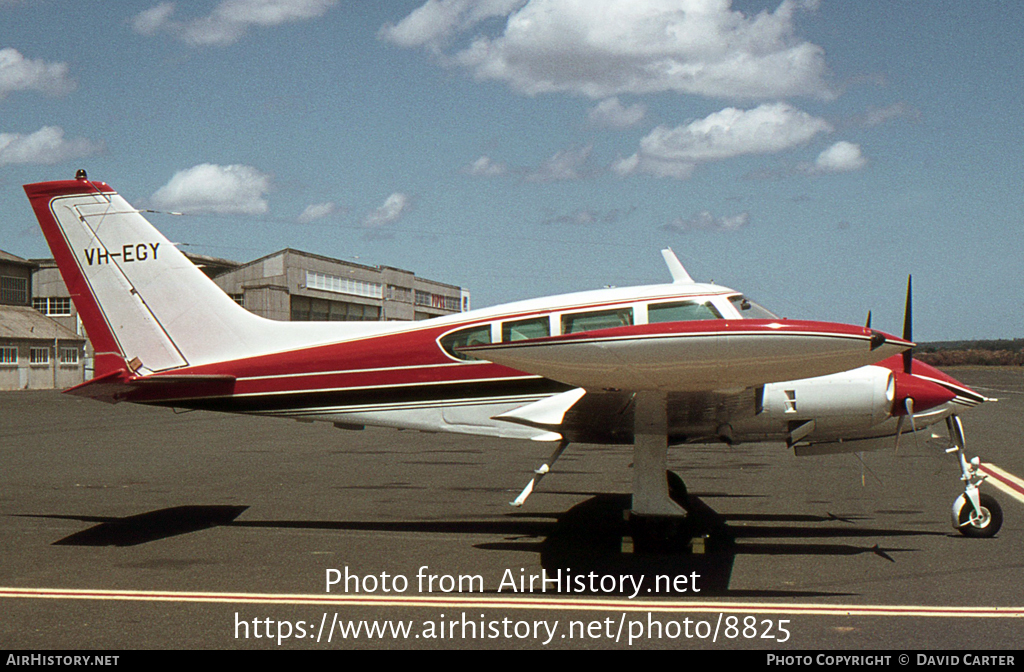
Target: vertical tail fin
[145,306]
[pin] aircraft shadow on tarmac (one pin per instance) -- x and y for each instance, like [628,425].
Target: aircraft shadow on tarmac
[593,536]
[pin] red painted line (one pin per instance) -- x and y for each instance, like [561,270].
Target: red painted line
[992,473]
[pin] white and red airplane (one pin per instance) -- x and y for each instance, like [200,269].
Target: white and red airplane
[651,366]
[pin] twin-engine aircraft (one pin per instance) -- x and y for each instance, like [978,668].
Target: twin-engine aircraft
[652,366]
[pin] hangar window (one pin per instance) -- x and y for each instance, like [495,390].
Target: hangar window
[8,355]
[54,305]
[520,330]
[338,285]
[478,335]
[307,309]
[599,319]
[14,291]
[681,312]
[39,356]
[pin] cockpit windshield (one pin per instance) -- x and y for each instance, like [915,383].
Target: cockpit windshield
[749,310]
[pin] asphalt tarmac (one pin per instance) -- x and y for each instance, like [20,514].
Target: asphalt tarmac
[127,527]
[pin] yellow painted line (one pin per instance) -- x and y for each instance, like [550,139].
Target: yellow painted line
[1004,480]
[525,603]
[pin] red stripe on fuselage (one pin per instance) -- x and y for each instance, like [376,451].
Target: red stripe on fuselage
[413,357]
[406,358]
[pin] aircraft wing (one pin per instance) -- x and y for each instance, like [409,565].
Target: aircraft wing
[696,356]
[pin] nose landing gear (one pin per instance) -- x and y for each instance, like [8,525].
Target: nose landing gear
[974,514]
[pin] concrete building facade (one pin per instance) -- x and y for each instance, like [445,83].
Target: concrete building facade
[37,352]
[37,312]
[300,286]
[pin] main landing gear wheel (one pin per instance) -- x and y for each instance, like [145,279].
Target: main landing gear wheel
[970,524]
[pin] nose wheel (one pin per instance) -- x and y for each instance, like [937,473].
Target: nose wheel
[981,523]
[975,514]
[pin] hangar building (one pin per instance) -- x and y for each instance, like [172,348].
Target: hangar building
[294,285]
[286,285]
[36,352]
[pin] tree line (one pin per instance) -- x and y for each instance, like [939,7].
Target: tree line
[1001,352]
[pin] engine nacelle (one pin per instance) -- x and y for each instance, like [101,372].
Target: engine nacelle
[838,404]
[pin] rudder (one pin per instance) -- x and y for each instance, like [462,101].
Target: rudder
[145,306]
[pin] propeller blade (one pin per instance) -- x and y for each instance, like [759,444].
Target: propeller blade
[913,425]
[908,405]
[867,325]
[908,325]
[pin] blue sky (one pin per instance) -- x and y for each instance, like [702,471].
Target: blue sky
[810,153]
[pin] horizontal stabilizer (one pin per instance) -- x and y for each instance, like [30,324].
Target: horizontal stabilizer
[545,413]
[118,386]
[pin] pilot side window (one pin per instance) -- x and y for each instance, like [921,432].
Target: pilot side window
[520,330]
[681,312]
[479,335]
[751,311]
[599,319]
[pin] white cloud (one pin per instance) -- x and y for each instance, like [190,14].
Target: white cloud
[767,129]
[229,20]
[396,205]
[590,216]
[705,221]
[317,211]
[603,48]
[841,157]
[45,146]
[207,187]
[612,114]
[485,167]
[18,73]
[154,19]
[566,164]
[436,21]
[879,116]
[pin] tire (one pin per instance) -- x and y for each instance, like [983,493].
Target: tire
[988,526]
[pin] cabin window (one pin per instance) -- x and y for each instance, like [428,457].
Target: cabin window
[599,319]
[749,310]
[681,312]
[521,330]
[478,335]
